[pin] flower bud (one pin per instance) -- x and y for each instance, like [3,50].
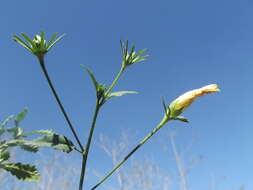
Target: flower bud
[186,99]
[37,39]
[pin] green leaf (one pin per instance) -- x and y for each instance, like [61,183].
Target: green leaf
[20,116]
[50,139]
[17,132]
[181,118]
[24,172]
[24,144]
[42,132]
[29,147]
[4,155]
[92,76]
[6,121]
[2,131]
[55,141]
[120,93]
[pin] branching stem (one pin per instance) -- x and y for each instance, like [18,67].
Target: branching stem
[87,147]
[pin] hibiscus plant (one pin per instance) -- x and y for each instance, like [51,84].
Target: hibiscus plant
[39,47]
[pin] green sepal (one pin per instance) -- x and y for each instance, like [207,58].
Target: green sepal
[130,57]
[164,105]
[181,118]
[43,42]
[54,42]
[22,43]
[31,42]
[38,45]
[23,172]
[52,39]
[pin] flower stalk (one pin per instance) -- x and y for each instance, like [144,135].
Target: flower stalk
[145,139]
[172,112]
[40,47]
[44,70]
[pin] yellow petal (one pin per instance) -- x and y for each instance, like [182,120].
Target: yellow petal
[185,100]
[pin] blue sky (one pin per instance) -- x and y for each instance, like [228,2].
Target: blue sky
[191,44]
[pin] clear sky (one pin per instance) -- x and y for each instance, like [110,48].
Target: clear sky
[191,43]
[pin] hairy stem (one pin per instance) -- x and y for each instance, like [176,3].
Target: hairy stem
[43,67]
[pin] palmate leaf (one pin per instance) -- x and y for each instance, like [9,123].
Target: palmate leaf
[24,172]
[17,132]
[40,132]
[4,155]
[29,147]
[120,93]
[49,139]
[24,144]
[6,121]
[55,141]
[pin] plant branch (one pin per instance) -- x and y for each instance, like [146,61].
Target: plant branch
[87,147]
[115,80]
[157,128]
[43,67]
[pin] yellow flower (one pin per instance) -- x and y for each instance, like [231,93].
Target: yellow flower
[186,99]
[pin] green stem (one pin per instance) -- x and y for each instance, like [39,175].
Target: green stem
[115,80]
[81,152]
[159,126]
[87,148]
[43,67]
